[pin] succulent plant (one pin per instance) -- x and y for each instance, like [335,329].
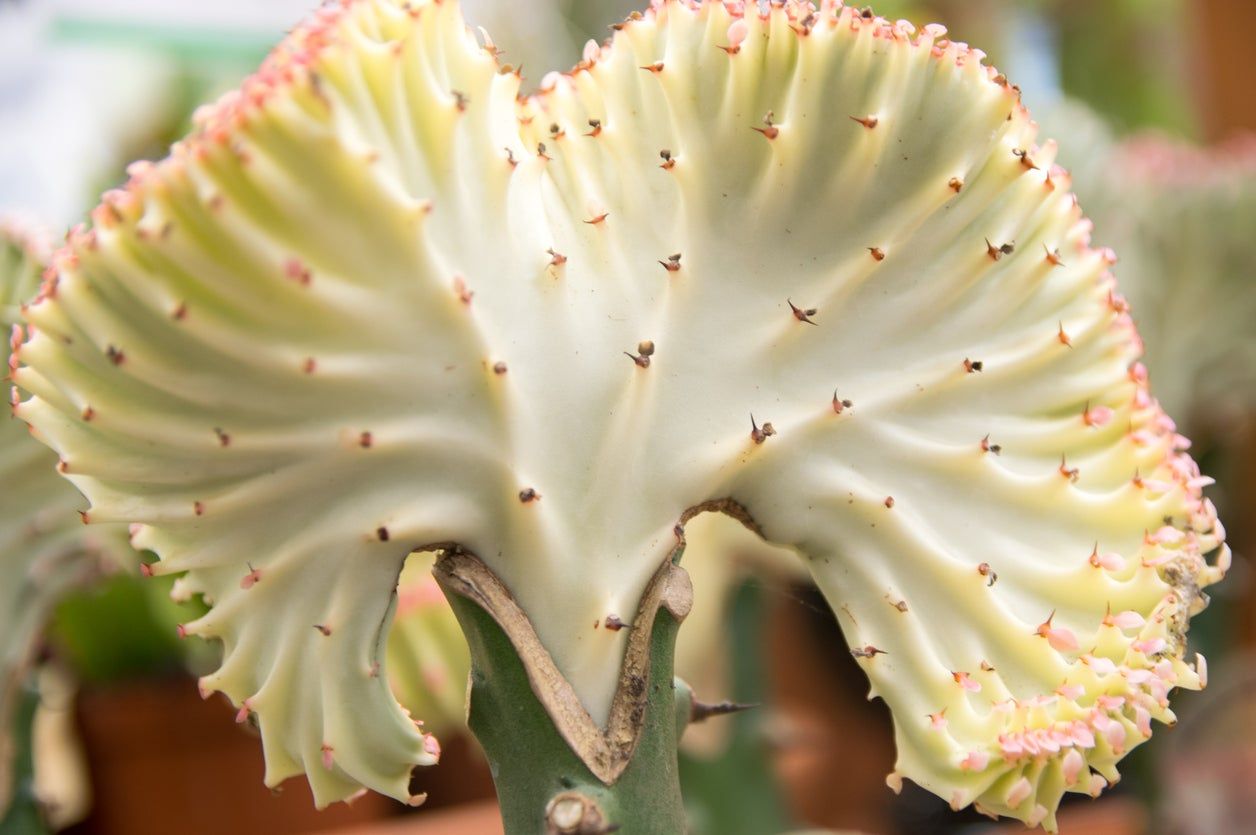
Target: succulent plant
[426,655]
[44,549]
[801,265]
[1181,216]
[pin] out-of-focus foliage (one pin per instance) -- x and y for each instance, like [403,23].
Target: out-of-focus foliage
[1182,219]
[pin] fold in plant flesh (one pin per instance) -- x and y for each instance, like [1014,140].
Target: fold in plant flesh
[44,549]
[805,265]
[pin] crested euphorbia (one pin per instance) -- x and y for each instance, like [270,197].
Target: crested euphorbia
[426,655]
[802,265]
[44,550]
[1182,216]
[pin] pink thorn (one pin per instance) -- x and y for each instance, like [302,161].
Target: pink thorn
[1150,646]
[1060,638]
[592,51]
[1019,792]
[937,721]
[242,715]
[327,756]
[1125,620]
[1073,692]
[146,569]
[1101,666]
[737,32]
[1097,416]
[975,761]
[1143,719]
[1111,561]
[431,745]
[251,579]
[1167,536]
[1201,669]
[965,681]
[1115,735]
[1097,785]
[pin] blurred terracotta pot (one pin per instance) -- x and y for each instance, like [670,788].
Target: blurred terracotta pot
[162,760]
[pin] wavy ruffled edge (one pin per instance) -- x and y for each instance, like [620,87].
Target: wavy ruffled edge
[1186,570]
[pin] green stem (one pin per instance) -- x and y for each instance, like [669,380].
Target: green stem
[24,814]
[566,776]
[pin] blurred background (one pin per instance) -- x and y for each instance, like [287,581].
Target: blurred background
[1153,101]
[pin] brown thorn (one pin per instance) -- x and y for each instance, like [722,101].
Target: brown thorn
[759,434]
[460,290]
[702,711]
[801,314]
[868,651]
[1025,159]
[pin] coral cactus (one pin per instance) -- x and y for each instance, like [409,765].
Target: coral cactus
[805,266]
[44,550]
[1181,217]
[426,654]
